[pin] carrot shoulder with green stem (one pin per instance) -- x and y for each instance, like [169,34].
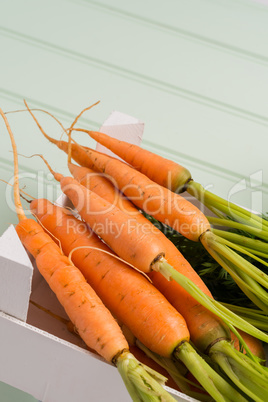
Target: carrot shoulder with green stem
[93,321]
[177,178]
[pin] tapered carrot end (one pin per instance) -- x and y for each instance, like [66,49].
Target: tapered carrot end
[19,210]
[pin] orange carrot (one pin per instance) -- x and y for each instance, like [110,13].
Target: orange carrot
[167,207]
[172,209]
[161,170]
[175,177]
[65,280]
[146,252]
[92,319]
[127,294]
[101,185]
[175,211]
[124,284]
[179,298]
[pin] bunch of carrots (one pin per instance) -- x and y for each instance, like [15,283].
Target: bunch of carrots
[140,276]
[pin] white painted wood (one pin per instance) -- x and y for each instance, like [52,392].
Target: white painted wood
[122,127]
[16,273]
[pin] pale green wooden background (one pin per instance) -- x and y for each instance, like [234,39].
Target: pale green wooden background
[195,71]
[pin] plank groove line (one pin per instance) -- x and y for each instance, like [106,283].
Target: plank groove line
[137,77]
[238,52]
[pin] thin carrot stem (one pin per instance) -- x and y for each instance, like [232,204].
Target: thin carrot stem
[242,249]
[227,207]
[258,246]
[139,382]
[216,388]
[255,252]
[250,287]
[257,318]
[82,112]
[231,319]
[237,225]
[57,176]
[253,271]
[177,373]
[251,380]
[45,310]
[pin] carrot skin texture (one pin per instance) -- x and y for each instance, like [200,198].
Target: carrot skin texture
[203,326]
[161,170]
[154,199]
[78,153]
[81,303]
[101,185]
[128,294]
[114,226]
[158,201]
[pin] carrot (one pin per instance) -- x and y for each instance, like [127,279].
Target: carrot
[161,170]
[126,280]
[250,223]
[173,176]
[99,184]
[172,209]
[146,253]
[178,297]
[177,212]
[198,319]
[129,296]
[173,292]
[85,309]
